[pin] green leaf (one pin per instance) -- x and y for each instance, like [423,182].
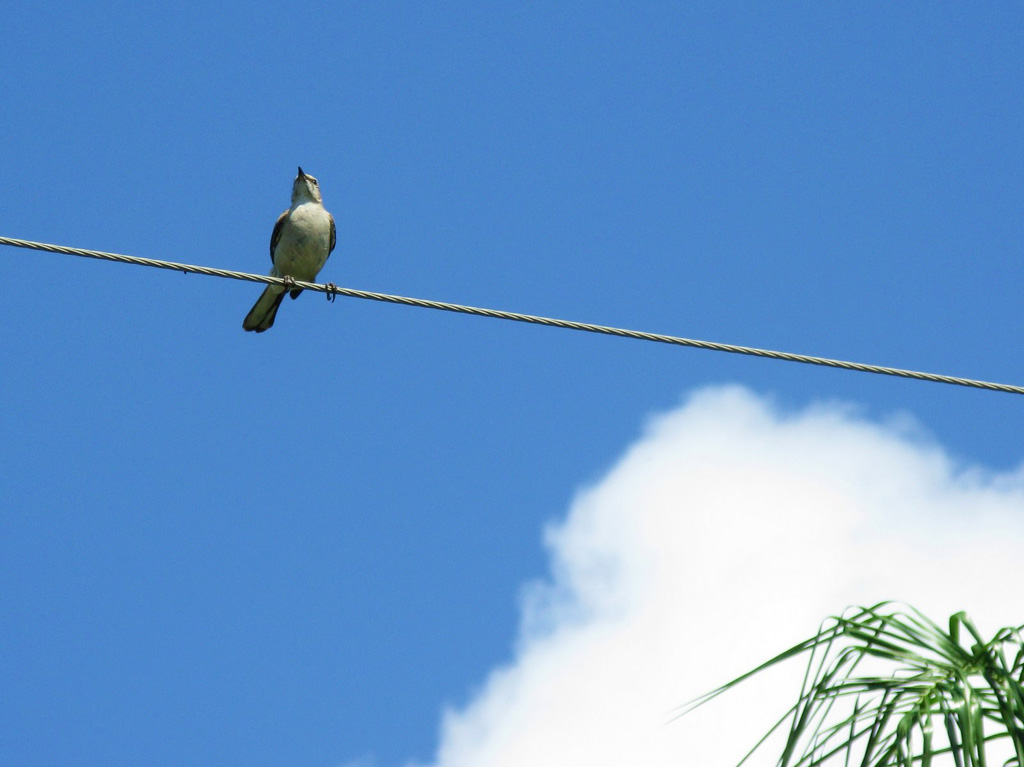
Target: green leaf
[919,671]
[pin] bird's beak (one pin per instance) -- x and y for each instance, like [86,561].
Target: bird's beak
[301,174]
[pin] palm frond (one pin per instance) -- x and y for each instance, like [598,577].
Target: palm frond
[887,687]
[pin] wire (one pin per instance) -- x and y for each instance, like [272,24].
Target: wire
[517,317]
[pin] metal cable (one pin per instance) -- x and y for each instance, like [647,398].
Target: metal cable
[501,315]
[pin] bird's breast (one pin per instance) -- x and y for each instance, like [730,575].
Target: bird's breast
[304,244]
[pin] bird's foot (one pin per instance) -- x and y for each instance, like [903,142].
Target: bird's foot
[332,291]
[289,282]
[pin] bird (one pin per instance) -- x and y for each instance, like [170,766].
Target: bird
[303,238]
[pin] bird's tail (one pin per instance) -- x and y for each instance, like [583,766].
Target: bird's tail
[261,316]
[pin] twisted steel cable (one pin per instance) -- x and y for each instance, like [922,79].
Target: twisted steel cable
[517,317]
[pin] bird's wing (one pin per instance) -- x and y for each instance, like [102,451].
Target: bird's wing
[334,235]
[276,234]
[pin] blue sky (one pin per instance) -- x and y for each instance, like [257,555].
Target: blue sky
[299,547]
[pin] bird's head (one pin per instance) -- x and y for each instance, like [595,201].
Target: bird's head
[305,189]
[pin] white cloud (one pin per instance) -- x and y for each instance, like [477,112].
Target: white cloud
[723,535]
